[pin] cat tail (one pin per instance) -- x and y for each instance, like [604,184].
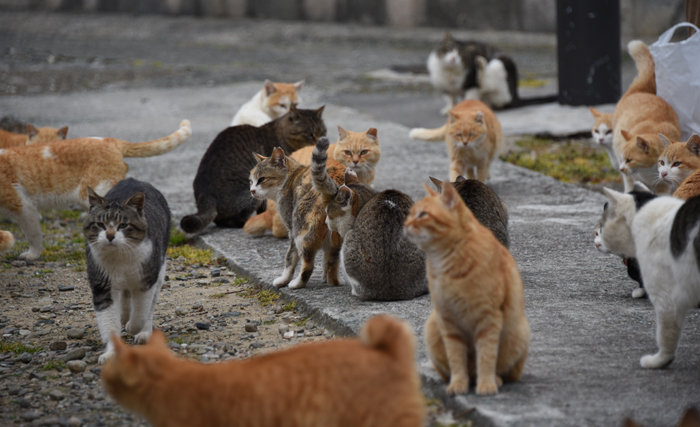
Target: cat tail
[157,146]
[390,335]
[428,134]
[258,224]
[646,77]
[206,212]
[7,240]
[322,182]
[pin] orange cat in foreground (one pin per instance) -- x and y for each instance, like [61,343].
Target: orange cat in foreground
[370,381]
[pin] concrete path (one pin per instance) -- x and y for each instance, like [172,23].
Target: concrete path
[588,333]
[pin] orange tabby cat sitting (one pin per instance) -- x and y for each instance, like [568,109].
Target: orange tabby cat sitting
[358,151]
[370,381]
[473,136]
[58,174]
[478,329]
[34,136]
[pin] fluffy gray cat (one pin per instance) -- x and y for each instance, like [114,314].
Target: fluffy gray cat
[127,234]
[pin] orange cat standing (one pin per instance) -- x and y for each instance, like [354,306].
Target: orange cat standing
[473,136]
[367,382]
[478,329]
[57,174]
[34,136]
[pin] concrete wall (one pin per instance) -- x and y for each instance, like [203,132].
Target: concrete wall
[640,18]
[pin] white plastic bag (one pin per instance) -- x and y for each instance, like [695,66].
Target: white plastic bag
[678,76]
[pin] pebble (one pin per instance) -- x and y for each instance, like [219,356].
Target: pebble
[289,335]
[283,329]
[24,332]
[76,334]
[251,327]
[197,306]
[23,403]
[18,263]
[257,345]
[231,314]
[58,345]
[76,366]
[31,416]
[88,376]
[75,354]
[202,326]
[25,357]
[65,288]
[14,391]
[35,309]
[215,272]
[74,422]
[46,309]
[180,311]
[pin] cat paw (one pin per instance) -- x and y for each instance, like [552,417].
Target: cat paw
[639,293]
[656,361]
[486,388]
[30,255]
[132,329]
[297,284]
[322,144]
[458,387]
[280,282]
[142,337]
[105,357]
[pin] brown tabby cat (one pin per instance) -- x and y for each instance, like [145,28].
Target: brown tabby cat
[358,151]
[302,210]
[473,136]
[678,160]
[478,327]
[367,382]
[34,136]
[638,119]
[690,187]
[56,175]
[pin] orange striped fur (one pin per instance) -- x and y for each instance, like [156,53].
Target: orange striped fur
[34,136]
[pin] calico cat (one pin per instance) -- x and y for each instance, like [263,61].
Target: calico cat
[273,101]
[7,241]
[301,209]
[126,239]
[678,160]
[631,263]
[473,136]
[221,187]
[478,327]
[370,381]
[690,187]
[602,133]
[484,204]
[452,68]
[58,175]
[376,259]
[662,233]
[34,136]
[638,119]
[358,151]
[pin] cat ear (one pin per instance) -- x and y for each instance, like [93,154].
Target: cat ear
[452,116]
[157,339]
[460,178]
[640,188]
[278,159]
[665,141]
[614,197]
[269,88]
[298,85]
[126,362]
[626,135]
[137,201]
[449,195]
[94,198]
[342,133]
[344,195]
[372,134]
[693,144]
[259,157]
[429,190]
[448,37]
[595,112]
[63,132]
[481,62]
[479,118]
[643,144]
[32,131]
[350,176]
[437,182]
[320,111]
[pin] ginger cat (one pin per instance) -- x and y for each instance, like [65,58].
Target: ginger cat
[358,151]
[34,136]
[478,327]
[58,174]
[638,119]
[690,187]
[367,382]
[273,101]
[602,133]
[679,159]
[473,136]
[302,210]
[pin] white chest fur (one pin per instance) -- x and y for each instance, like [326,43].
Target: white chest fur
[121,261]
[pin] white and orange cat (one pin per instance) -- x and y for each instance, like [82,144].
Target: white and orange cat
[358,151]
[370,381]
[477,329]
[639,117]
[273,101]
[602,133]
[678,160]
[34,136]
[58,174]
[473,136]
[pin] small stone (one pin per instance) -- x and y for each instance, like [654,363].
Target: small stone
[202,326]
[18,263]
[76,366]
[65,288]
[31,416]
[251,327]
[197,306]
[215,272]
[231,314]
[76,334]
[23,403]
[25,357]
[289,335]
[56,395]
[35,309]
[257,345]
[89,376]
[58,345]
[75,354]
[180,311]
[13,391]
[283,329]
[279,310]
[74,422]
[46,309]
[24,332]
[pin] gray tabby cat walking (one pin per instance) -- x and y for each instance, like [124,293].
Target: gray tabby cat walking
[127,234]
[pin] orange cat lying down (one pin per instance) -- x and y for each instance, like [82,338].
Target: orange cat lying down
[34,136]
[370,381]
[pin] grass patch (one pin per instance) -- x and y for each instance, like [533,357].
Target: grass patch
[265,296]
[217,296]
[240,281]
[191,254]
[176,237]
[301,322]
[52,365]
[269,322]
[17,348]
[571,162]
[290,306]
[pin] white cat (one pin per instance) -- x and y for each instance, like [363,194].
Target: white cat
[273,101]
[631,264]
[447,74]
[492,80]
[663,234]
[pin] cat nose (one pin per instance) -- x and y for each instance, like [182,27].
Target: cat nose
[252,191]
[663,174]
[110,236]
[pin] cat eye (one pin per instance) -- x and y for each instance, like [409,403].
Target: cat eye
[628,160]
[364,152]
[101,225]
[347,152]
[422,214]
[608,132]
[260,181]
[661,162]
[676,164]
[458,136]
[122,226]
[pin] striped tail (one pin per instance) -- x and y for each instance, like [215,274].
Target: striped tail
[157,146]
[429,134]
[7,240]
[206,212]
[322,182]
[646,76]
